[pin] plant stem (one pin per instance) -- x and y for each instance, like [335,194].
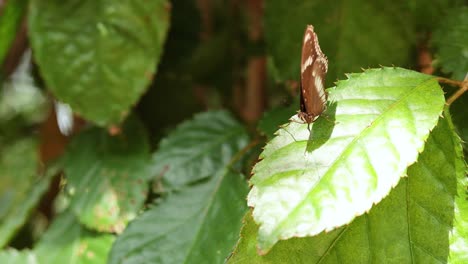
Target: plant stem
[462,84]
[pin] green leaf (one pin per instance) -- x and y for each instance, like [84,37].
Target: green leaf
[459,234]
[374,128]
[353,34]
[11,14]
[426,17]
[451,41]
[106,52]
[198,148]
[274,118]
[13,256]
[199,224]
[459,116]
[107,176]
[411,225]
[66,241]
[20,185]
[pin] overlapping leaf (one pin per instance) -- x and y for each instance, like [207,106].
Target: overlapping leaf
[274,118]
[459,234]
[13,256]
[107,176]
[198,148]
[199,224]
[66,241]
[411,225]
[106,52]
[451,40]
[352,33]
[374,128]
[20,186]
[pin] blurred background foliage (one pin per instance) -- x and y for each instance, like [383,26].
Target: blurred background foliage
[160,63]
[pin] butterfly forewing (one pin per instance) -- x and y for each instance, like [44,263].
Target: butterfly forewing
[314,66]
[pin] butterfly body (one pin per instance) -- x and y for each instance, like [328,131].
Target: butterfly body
[314,67]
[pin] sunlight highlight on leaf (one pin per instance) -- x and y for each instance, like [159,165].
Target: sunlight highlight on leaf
[416,223]
[374,128]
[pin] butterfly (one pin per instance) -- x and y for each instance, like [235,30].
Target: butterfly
[314,67]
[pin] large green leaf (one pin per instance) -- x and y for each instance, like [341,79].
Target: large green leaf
[66,241]
[106,52]
[374,128]
[11,13]
[451,41]
[20,185]
[353,34]
[199,224]
[107,176]
[13,256]
[198,148]
[411,225]
[459,235]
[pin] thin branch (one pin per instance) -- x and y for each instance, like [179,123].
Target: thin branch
[459,92]
[463,88]
[242,152]
[450,81]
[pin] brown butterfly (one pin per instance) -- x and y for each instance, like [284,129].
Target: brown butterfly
[314,67]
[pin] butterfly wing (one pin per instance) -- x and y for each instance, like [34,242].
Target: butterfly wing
[314,66]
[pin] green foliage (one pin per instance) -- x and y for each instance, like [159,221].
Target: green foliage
[353,34]
[77,245]
[426,17]
[408,226]
[107,51]
[199,224]
[272,119]
[451,41]
[459,234]
[460,115]
[107,176]
[196,149]
[20,185]
[203,213]
[17,257]
[384,114]
[10,18]
[379,177]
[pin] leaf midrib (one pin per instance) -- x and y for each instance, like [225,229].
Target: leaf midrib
[207,149]
[346,150]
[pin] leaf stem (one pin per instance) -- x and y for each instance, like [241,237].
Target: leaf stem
[462,84]
[239,154]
